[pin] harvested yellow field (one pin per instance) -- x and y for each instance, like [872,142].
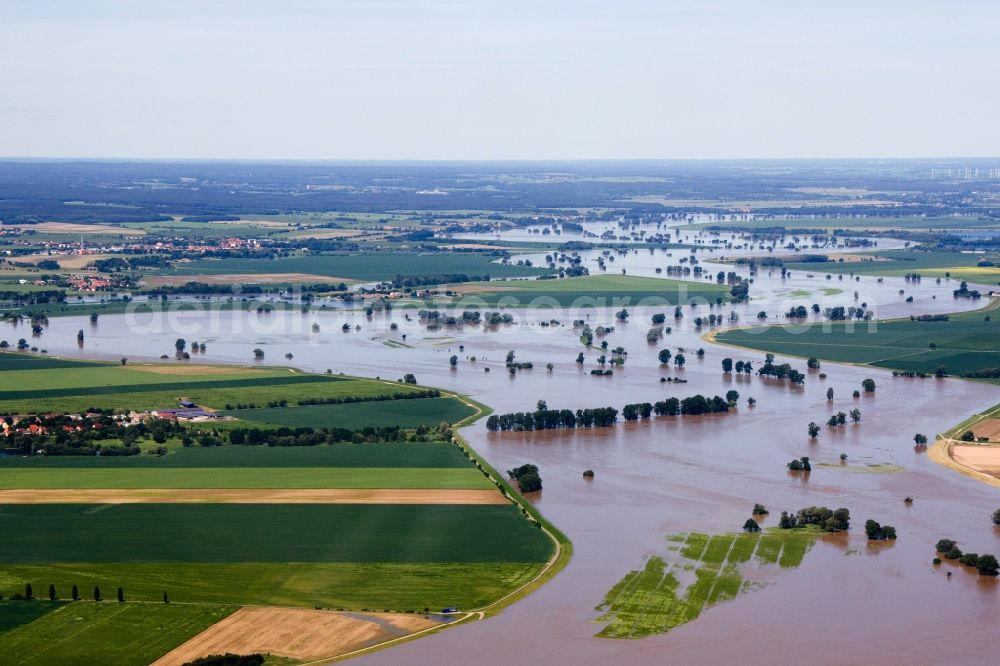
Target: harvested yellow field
[295,633]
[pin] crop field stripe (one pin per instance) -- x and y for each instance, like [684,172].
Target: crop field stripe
[355,415]
[407,533]
[341,455]
[166,386]
[244,477]
[352,585]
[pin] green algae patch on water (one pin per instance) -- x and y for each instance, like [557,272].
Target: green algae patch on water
[696,572]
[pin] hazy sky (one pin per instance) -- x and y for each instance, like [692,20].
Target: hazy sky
[430,79]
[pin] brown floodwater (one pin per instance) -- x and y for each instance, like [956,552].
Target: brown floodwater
[847,603]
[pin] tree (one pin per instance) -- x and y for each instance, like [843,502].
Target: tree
[93,317]
[829,393]
[679,360]
[988,565]
[751,526]
[97,593]
[124,360]
[732,396]
[52,592]
[542,406]
[258,353]
[28,593]
[79,336]
[453,361]
[813,429]
[166,599]
[179,345]
[579,357]
[868,385]
[812,363]
[856,415]
[75,593]
[121,595]
[968,436]
[996,517]
[760,510]
[919,439]
[529,482]
[727,365]
[944,545]
[664,356]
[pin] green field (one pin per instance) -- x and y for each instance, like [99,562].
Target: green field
[965,343]
[356,415]
[245,477]
[897,263]
[357,586]
[340,455]
[595,290]
[105,633]
[14,614]
[406,533]
[663,595]
[214,557]
[45,386]
[368,266]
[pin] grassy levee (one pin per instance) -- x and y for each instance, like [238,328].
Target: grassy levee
[111,633]
[597,290]
[967,342]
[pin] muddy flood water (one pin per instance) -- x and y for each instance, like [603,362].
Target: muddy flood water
[848,602]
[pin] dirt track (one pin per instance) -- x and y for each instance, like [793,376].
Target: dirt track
[249,496]
[296,633]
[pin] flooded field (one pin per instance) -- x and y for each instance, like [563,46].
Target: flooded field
[848,601]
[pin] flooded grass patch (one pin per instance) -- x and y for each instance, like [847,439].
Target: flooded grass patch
[653,600]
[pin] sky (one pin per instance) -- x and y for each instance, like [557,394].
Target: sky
[511,79]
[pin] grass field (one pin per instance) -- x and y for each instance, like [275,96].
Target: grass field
[14,614]
[356,415]
[409,533]
[896,263]
[357,586]
[965,343]
[700,572]
[598,290]
[341,455]
[244,477]
[363,266]
[109,633]
[45,386]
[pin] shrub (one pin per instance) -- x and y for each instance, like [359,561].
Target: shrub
[944,545]
[953,554]
[988,565]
